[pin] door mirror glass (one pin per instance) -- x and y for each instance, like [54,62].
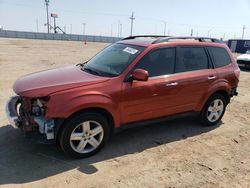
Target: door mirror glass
[140,75]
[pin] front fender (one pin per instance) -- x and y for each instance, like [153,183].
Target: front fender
[61,106]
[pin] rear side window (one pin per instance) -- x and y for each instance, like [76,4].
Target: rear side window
[158,62]
[219,56]
[191,59]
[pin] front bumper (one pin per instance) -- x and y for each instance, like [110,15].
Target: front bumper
[31,125]
[11,111]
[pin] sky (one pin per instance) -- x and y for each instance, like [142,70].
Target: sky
[214,18]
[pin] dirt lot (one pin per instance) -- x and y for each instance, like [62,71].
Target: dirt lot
[177,153]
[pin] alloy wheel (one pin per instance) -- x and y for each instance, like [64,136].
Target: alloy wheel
[86,137]
[215,110]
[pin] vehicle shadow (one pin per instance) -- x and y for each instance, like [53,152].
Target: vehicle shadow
[22,160]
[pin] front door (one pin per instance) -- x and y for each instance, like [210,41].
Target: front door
[148,100]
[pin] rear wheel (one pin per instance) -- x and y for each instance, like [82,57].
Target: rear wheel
[213,110]
[84,135]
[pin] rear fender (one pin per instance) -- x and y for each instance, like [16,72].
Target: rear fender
[221,85]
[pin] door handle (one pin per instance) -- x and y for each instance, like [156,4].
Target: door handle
[211,77]
[172,84]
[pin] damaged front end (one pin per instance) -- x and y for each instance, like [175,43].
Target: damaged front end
[29,115]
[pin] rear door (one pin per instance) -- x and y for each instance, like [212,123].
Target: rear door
[222,63]
[193,76]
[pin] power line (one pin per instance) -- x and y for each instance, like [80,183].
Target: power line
[125,15]
[190,25]
[66,10]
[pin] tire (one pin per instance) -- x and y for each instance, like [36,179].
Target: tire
[211,113]
[79,138]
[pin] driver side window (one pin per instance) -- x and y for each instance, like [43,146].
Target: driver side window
[158,62]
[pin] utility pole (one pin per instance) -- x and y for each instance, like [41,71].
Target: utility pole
[191,32]
[37,29]
[119,33]
[208,33]
[47,9]
[70,28]
[224,36]
[111,30]
[243,31]
[83,28]
[132,18]
[120,30]
[165,24]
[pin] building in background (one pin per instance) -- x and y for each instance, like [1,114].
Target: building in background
[239,46]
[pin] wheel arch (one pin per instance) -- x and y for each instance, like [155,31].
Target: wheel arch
[106,114]
[222,91]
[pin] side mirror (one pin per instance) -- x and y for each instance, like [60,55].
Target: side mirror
[140,75]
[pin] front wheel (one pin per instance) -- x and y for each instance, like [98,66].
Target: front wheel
[84,135]
[213,110]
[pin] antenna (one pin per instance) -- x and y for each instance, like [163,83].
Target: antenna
[47,9]
[132,18]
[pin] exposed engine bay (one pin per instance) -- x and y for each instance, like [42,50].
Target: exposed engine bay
[29,115]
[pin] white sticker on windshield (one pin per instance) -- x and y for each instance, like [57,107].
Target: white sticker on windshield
[130,50]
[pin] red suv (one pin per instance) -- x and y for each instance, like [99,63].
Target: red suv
[138,80]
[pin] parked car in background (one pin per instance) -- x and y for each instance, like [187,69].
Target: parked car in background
[138,80]
[244,60]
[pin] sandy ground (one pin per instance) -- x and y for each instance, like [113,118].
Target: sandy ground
[177,153]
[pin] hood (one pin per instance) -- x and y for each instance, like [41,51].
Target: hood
[44,83]
[244,57]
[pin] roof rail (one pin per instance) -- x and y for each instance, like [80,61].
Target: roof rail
[200,39]
[144,36]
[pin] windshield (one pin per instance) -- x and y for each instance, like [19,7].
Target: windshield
[113,60]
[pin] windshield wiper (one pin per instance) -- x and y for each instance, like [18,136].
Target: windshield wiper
[87,69]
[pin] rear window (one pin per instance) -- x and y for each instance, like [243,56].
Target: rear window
[219,56]
[191,59]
